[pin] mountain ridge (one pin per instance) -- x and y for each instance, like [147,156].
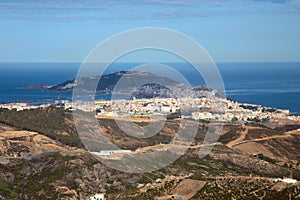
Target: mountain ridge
[138,83]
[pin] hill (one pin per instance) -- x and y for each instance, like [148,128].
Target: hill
[139,84]
[40,165]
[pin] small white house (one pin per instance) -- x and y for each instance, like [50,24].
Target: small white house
[97,197]
[177,197]
[111,152]
[166,109]
[285,180]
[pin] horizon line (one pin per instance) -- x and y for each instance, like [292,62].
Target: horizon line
[72,61]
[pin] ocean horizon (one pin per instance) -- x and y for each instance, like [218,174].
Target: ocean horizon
[271,84]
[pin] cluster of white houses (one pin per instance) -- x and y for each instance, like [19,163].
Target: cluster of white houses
[195,108]
[22,106]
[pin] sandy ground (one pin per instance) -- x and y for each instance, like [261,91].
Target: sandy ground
[186,189]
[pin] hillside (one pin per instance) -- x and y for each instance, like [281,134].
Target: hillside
[19,143]
[242,165]
[107,82]
[52,122]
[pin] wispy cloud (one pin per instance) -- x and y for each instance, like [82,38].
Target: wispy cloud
[138,9]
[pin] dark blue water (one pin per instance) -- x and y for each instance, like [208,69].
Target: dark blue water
[15,76]
[268,84]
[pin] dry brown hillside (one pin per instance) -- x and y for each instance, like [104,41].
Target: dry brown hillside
[241,165]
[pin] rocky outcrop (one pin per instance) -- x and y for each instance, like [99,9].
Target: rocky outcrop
[15,143]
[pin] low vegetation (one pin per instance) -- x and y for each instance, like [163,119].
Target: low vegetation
[265,158]
[51,121]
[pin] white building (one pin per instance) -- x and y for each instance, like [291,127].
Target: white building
[166,109]
[285,180]
[111,152]
[97,197]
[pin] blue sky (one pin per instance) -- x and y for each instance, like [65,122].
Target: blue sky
[230,30]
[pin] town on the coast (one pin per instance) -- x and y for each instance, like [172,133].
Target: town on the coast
[205,108]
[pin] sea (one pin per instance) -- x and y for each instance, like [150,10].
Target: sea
[272,84]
